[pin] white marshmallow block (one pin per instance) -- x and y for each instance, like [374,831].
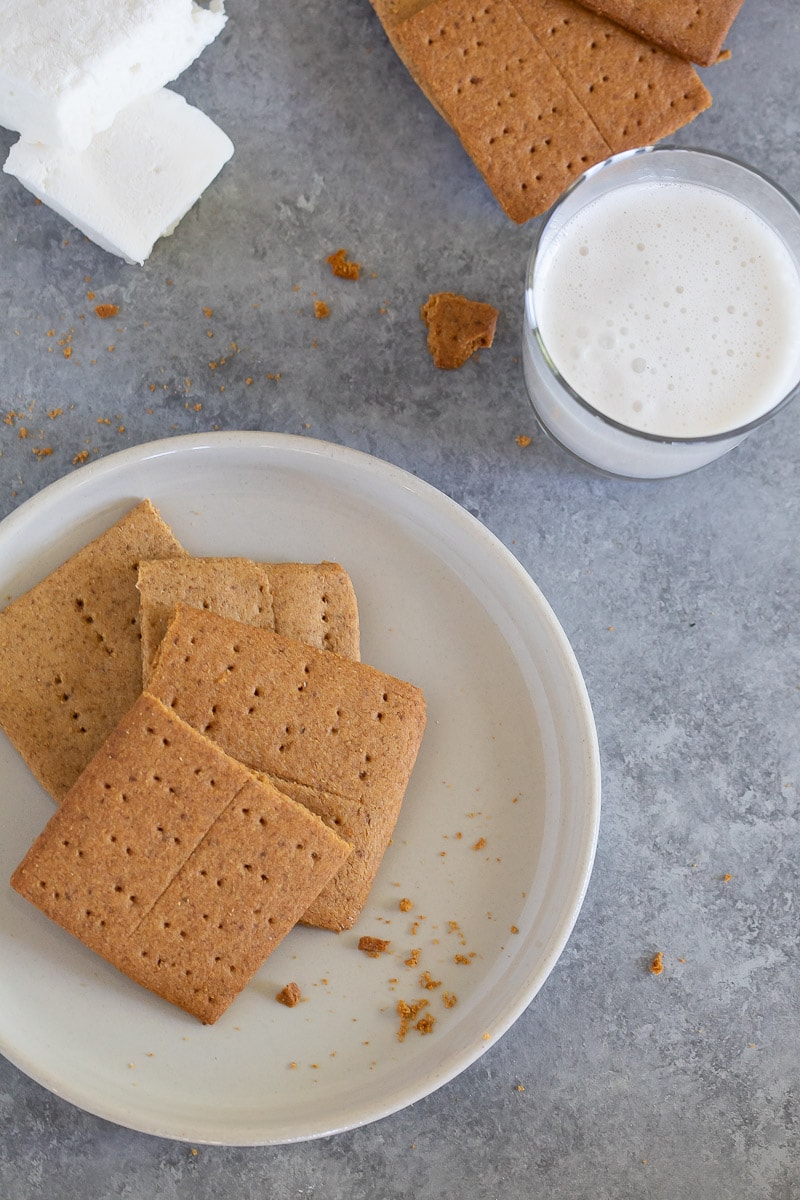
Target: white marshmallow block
[136,180]
[67,68]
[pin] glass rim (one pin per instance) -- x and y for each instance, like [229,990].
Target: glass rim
[738,431]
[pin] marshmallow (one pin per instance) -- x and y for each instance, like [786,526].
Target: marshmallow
[67,69]
[136,180]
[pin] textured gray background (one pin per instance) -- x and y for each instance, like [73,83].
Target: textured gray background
[679,597]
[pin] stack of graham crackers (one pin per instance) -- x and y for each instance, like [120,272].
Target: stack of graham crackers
[539,90]
[224,764]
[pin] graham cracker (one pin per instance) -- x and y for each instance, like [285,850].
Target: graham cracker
[337,735]
[634,93]
[176,863]
[539,90]
[313,602]
[693,31]
[70,657]
[457,328]
[516,117]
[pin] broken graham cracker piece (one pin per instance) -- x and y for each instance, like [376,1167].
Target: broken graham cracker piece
[457,327]
[634,93]
[70,656]
[315,603]
[232,587]
[694,31]
[176,863]
[534,111]
[337,735]
[342,266]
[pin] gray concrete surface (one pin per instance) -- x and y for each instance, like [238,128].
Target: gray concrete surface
[679,597]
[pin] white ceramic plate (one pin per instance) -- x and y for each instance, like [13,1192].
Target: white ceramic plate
[494,845]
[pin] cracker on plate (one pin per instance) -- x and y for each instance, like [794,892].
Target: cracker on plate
[337,735]
[177,864]
[70,656]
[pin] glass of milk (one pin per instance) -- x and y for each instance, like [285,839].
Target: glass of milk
[662,311]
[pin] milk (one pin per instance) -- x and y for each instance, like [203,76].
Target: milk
[669,305]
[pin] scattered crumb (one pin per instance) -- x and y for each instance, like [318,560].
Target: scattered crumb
[289,995]
[513,929]
[727,878]
[104,311]
[194,1152]
[449,999]
[657,965]
[321,310]
[344,269]
[41,452]
[406,905]
[408,1013]
[413,959]
[208,312]
[373,946]
[480,844]
[428,982]
[523,440]
[457,328]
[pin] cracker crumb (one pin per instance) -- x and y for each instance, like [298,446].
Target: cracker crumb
[425,1024]
[289,995]
[457,328]
[727,878]
[408,1013]
[321,310]
[373,946]
[480,844]
[449,999]
[342,267]
[104,311]
[428,982]
[657,965]
[523,440]
[413,959]
[405,905]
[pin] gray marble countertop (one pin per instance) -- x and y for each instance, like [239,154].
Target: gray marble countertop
[679,598]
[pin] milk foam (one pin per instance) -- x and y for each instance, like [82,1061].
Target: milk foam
[671,308]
